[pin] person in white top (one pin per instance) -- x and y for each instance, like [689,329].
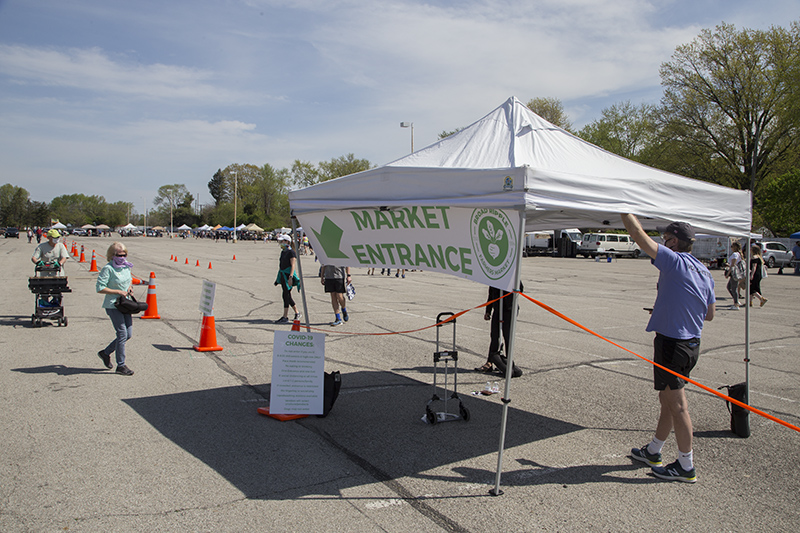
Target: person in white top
[733,278]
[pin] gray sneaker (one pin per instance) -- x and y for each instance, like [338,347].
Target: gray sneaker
[641,454]
[337,323]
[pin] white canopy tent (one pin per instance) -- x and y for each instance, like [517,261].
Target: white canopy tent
[509,172]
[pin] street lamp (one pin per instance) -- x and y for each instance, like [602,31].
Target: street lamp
[145,215]
[409,125]
[235,194]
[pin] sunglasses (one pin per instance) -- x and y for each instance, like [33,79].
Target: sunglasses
[121,255]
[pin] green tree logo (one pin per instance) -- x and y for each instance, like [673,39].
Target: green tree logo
[494,241]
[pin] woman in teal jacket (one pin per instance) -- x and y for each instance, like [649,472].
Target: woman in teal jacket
[114,280]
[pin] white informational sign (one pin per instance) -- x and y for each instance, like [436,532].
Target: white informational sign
[480,244]
[207,297]
[298,368]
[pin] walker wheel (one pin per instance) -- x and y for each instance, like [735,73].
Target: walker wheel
[65,321]
[464,412]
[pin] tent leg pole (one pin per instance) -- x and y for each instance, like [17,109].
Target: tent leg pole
[510,356]
[302,288]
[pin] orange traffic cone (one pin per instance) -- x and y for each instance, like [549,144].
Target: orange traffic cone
[135,280]
[176,258]
[209,266]
[187,261]
[170,257]
[83,257]
[234,257]
[93,266]
[152,301]
[296,325]
[208,336]
[74,249]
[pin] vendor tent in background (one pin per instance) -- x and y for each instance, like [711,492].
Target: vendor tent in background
[462,205]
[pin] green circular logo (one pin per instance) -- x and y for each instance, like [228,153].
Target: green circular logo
[494,240]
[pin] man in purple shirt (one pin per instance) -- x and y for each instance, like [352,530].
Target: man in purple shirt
[685,299]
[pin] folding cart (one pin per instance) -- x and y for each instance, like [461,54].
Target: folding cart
[445,356]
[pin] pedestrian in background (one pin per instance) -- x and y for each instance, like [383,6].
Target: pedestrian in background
[757,270]
[115,280]
[287,278]
[335,280]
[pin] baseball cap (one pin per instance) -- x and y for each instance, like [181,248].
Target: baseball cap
[682,230]
[54,234]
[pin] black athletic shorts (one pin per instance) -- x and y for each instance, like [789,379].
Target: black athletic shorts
[679,355]
[334,285]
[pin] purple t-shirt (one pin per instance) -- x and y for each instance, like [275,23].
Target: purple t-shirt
[685,292]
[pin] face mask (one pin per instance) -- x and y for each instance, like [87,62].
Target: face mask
[120,262]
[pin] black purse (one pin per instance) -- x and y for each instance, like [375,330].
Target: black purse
[127,305]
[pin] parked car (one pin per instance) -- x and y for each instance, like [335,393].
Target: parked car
[12,232]
[594,244]
[776,254]
[80,231]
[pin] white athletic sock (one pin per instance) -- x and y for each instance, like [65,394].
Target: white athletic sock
[686,460]
[655,446]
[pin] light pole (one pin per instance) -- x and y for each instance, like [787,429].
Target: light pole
[145,215]
[409,125]
[235,194]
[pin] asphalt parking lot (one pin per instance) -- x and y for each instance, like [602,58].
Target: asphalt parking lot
[179,446]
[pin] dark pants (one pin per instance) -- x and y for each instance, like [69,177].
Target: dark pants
[495,345]
[288,301]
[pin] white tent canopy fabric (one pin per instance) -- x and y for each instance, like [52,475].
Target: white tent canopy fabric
[510,161]
[513,158]
[184,227]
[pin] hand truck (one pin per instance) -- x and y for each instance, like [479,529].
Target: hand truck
[431,416]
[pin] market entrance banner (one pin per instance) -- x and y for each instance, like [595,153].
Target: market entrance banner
[478,244]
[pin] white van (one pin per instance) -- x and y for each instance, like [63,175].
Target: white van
[593,244]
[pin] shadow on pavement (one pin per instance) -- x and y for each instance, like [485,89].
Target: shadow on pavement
[376,424]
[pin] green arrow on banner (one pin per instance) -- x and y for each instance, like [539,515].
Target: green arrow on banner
[330,238]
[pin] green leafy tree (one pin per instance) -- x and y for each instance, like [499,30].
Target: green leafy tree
[446,133]
[626,130]
[728,104]
[13,205]
[79,209]
[217,187]
[304,174]
[779,201]
[342,166]
[168,200]
[552,110]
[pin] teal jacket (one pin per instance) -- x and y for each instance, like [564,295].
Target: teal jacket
[283,279]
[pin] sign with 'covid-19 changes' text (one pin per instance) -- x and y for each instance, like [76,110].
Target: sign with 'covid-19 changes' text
[480,244]
[298,367]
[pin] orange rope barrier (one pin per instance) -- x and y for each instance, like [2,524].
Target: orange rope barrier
[693,382]
[587,330]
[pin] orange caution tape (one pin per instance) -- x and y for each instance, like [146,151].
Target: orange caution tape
[693,382]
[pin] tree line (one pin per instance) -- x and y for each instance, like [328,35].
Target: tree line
[729,114]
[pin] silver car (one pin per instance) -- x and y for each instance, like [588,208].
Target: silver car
[776,254]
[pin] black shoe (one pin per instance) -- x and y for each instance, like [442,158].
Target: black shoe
[106,359]
[282,320]
[501,363]
[124,370]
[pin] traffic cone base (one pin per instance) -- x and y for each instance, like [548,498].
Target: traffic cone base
[152,301]
[208,336]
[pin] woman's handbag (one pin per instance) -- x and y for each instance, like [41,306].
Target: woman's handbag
[737,272]
[127,305]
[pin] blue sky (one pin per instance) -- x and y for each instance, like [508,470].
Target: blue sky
[117,98]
